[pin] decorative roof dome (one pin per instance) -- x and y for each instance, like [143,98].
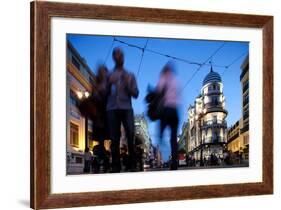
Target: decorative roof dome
[212,77]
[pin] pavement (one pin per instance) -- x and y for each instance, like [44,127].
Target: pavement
[244,164]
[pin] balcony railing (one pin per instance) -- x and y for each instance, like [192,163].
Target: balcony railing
[246,87]
[214,124]
[245,128]
[245,101]
[245,115]
[212,92]
[213,140]
[244,72]
[213,104]
[233,137]
[214,107]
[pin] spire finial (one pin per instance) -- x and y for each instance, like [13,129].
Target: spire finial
[210,62]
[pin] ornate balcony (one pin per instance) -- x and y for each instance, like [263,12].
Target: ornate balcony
[214,124]
[211,140]
[214,107]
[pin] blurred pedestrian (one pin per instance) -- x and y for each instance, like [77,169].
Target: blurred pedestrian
[96,159]
[87,160]
[100,126]
[214,159]
[122,86]
[169,86]
[226,158]
[106,161]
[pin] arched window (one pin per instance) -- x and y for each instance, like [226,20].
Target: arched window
[215,100]
[215,137]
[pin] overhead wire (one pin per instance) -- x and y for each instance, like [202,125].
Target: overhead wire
[142,54]
[156,52]
[109,50]
[200,65]
[196,71]
[234,61]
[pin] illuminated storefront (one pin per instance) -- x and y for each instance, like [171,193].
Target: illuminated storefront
[79,80]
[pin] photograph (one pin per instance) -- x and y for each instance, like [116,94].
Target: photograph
[134,105]
[144,104]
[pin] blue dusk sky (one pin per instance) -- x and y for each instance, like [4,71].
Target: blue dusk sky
[98,49]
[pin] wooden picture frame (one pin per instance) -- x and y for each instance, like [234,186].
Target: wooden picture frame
[41,14]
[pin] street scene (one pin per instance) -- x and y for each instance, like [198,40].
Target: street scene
[155,104]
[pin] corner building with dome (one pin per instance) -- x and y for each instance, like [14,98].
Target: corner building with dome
[207,127]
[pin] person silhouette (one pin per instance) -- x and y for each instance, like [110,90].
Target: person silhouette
[122,86]
[168,85]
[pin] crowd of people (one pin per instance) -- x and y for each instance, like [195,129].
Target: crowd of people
[112,108]
[228,159]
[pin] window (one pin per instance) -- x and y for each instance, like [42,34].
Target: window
[215,119]
[246,115]
[215,137]
[246,140]
[75,63]
[214,100]
[245,86]
[73,98]
[192,131]
[74,130]
[246,99]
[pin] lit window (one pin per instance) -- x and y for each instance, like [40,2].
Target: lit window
[74,129]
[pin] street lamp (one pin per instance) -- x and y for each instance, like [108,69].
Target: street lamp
[86,94]
[79,94]
[82,94]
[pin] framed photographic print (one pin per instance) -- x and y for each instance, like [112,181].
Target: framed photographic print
[139,105]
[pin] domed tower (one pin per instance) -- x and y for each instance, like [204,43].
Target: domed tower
[213,123]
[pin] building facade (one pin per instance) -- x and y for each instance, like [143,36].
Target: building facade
[79,129]
[183,144]
[234,139]
[207,127]
[244,79]
[142,134]
[182,139]
[158,157]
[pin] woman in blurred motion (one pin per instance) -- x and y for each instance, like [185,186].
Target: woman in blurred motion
[168,86]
